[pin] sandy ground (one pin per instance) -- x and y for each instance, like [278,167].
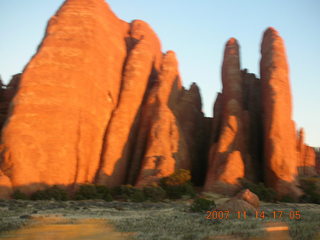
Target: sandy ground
[163,220]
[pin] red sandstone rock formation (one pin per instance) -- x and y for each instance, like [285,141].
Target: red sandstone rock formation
[279,132]
[317,151]
[144,57]
[306,157]
[252,119]
[250,197]
[187,110]
[160,147]
[226,163]
[7,92]
[100,103]
[66,97]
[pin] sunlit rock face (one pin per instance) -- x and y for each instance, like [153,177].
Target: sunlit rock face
[226,160]
[158,138]
[280,153]
[252,133]
[83,102]
[66,97]
[100,103]
[143,59]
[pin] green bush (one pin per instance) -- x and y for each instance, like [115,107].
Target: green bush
[104,193]
[128,193]
[87,191]
[264,193]
[202,204]
[17,194]
[154,194]
[90,191]
[287,199]
[51,193]
[179,177]
[311,189]
[178,184]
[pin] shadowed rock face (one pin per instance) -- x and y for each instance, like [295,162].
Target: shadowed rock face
[7,93]
[143,58]
[306,157]
[160,145]
[279,131]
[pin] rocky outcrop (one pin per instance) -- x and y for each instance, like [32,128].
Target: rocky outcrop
[100,103]
[144,58]
[7,93]
[317,151]
[195,130]
[161,147]
[249,197]
[279,131]
[253,131]
[226,159]
[306,157]
[66,96]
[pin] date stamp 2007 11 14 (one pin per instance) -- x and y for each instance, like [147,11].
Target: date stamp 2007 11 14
[215,215]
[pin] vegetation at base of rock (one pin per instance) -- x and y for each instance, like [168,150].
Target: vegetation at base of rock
[154,193]
[17,194]
[128,193]
[264,193]
[178,184]
[179,177]
[90,191]
[202,204]
[287,199]
[311,189]
[50,193]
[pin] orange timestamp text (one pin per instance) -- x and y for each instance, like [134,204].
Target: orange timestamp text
[215,215]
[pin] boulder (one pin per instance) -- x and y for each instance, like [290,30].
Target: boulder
[249,197]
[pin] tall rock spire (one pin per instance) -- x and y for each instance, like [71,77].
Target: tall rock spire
[280,153]
[226,163]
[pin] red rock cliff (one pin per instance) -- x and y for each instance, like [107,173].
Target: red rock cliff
[66,97]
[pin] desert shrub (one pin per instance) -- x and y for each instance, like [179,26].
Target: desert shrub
[90,191]
[128,193]
[179,177]
[264,193]
[311,189]
[17,194]
[178,184]
[154,193]
[202,204]
[288,199]
[51,193]
[87,191]
[104,193]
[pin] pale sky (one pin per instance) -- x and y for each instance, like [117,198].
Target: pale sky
[197,32]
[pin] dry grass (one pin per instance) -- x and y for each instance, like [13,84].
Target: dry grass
[163,220]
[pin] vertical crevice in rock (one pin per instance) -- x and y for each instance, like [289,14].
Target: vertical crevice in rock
[137,69]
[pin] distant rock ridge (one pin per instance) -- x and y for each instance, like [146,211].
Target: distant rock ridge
[101,103]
